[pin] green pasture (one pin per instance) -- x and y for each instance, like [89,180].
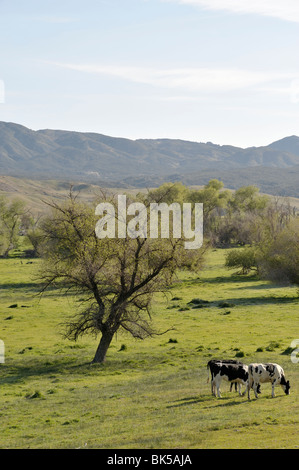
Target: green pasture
[150,394]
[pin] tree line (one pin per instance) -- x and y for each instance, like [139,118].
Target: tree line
[264,230]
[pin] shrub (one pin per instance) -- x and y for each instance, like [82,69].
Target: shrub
[36,394]
[244,258]
[272,346]
[279,258]
[240,354]
[198,301]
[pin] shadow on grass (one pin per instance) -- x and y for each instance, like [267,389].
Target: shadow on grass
[265,286]
[188,401]
[228,401]
[218,402]
[62,367]
[263,300]
[12,374]
[229,279]
[260,300]
[243,279]
[33,286]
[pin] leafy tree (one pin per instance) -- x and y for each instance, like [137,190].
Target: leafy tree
[247,199]
[214,200]
[168,193]
[34,235]
[245,217]
[116,277]
[212,196]
[11,213]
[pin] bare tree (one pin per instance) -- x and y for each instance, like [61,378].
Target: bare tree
[117,277]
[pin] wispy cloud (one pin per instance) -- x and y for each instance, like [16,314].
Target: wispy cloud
[51,19]
[287,10]
[187,79]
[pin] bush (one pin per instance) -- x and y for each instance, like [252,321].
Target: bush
[198,301]
[36,394]
[240,354]
[279,259]
[244,258]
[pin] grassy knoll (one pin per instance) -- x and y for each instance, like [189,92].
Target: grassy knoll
[152,393]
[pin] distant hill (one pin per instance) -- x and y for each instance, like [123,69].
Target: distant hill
[112,161]
[288,144]
[36,194]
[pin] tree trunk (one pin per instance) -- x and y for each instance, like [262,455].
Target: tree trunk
[6,252]
[102,349]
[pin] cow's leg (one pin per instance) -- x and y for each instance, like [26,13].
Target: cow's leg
[245,387]
[213,386]
[273,385]
[237,387]
[218,382]
[249,385]
[255,389]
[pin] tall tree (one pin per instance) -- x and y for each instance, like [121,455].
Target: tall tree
[215,200]
[117,277]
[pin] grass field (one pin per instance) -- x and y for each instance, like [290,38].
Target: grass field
[150,394]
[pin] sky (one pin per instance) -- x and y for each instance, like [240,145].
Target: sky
[221,71]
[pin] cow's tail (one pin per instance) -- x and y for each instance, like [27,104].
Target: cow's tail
[208,369]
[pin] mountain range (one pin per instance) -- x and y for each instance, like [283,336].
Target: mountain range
[114,161]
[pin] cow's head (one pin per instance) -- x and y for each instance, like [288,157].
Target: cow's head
[286,387]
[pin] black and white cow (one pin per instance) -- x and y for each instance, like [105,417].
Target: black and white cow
[226,361]
[229,370]
[261,373]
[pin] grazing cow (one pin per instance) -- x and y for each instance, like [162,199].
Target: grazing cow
[232,371]
[226,361]
[260,373]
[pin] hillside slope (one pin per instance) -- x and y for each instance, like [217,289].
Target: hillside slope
[110,161]
[36,194]
[24,152]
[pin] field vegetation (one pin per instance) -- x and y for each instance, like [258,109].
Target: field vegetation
[151,393]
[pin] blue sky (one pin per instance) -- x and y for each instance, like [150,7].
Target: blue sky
[225,71]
